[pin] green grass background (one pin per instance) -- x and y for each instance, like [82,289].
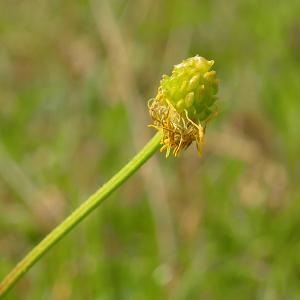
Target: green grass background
[75,77]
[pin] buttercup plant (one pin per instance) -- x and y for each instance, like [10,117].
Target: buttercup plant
[183,106]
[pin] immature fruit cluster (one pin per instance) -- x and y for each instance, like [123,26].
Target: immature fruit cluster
[185,102]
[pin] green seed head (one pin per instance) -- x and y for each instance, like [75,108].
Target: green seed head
[184,104]
[192,87]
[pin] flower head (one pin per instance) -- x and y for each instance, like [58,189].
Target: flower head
[185,102]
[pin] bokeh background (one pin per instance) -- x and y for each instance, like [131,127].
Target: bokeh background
[75,77]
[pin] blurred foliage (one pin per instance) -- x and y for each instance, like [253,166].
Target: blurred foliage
[72,76]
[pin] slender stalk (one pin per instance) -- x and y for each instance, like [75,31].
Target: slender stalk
[80,213]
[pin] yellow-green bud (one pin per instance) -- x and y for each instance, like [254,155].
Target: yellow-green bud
[185,102]
[193,75]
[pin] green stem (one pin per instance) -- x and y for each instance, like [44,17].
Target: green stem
[80,213]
